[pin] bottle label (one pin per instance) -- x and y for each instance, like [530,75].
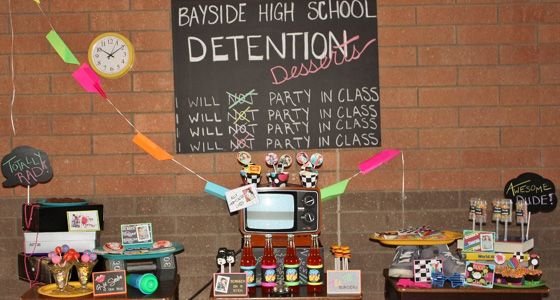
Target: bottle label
[315,275]
[291,275]
[268,275]
[250,271]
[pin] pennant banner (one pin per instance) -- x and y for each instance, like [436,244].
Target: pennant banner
[334,190]
[216,190]
[150,147]
[87,78]
[63,51]
[377,160]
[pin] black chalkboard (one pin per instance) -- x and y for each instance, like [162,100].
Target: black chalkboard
[538,191]
[264,75]
[109,283]
[26,166]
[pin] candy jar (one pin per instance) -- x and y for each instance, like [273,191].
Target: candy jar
[62,260]
[84,266]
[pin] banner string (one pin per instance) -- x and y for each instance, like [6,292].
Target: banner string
[45,15]
[12,69]
[338,230]
[122,115]
[187,168]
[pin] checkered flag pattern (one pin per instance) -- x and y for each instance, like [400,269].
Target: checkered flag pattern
[519,256]
[423,269]
[309,180]
[253,178]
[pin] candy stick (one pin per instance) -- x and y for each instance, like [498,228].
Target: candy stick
[528,223]
[496,211]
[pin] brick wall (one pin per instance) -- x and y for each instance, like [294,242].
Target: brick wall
[470,93]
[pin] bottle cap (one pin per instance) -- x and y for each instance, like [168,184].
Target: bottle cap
[148,284]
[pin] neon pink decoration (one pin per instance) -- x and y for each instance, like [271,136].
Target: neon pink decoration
[377,160]
[87,78]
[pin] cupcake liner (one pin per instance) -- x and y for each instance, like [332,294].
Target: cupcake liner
[278,179]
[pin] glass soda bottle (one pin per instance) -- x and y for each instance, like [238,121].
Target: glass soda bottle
[248,264]
[268,266]
[291,267]
[314,267]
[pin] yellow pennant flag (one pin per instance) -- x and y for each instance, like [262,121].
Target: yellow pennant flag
[37,1]
[150,147]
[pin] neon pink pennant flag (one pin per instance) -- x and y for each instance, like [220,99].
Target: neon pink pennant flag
[377,160]
[87,78]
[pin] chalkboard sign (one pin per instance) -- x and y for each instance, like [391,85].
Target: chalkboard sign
[137,236]
[109,283]
[26,166]
[539,192]
[264,75]
[230,284]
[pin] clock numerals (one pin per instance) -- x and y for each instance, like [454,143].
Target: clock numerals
[111,55]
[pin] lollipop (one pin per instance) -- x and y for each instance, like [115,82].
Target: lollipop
[316,160]
[285,161]
[302,158]
[271,160]
[244,158]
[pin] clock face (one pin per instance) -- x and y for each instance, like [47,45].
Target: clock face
[111,55]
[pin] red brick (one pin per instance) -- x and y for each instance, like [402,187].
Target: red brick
[498,116]
[458,96]
[501,75]
[459,137]
[396,15]
[530,13]
[549,33]
[413,2]
[54,145]
[153,61]
[122,143]
[496,34]
[5,65]
[500,158]
[397,56]
[432,159]
[92,165]
[65,186]
[90,124]
[19,7]
[51,104]
[419,118]
[414,36]
[551,157]
[399,138]
[399,97]
[549,115]
[36,125]
[24,43]
[151,40]
[199,163]
[526,54]
[46,63]
[25,84]
[457,180]
[143,20]
[65,83]
[161,81]
[61,22]
[79,43]
[155,122]
[88,6]
[190,184]
[529,95]
[531,136]
[550,74]
[419,76]
[137,102]
[482,55]
[151,5]
[463,14]
[135,185]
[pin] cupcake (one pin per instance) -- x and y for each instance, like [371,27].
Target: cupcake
[498,275]
[513,276]
[533,275]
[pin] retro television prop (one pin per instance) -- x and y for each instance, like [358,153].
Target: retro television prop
[283,210]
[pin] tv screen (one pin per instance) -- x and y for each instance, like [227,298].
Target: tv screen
[274,212]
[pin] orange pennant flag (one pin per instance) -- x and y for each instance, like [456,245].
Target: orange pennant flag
[150,147]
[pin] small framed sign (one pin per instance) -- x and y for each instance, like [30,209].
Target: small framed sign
[137,236]
[83,220]
[344,282]
[242,197]
[230,284]
[109,283]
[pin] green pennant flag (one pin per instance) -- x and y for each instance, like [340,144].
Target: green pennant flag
[63,51]
[334,190]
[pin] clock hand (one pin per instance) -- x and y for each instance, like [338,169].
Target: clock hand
[116,51]
[108,54]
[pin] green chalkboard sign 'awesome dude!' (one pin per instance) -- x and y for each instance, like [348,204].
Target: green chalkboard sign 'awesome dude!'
[275,75]
[26,166]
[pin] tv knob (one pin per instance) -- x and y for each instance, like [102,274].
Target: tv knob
[308,217]
[308,200]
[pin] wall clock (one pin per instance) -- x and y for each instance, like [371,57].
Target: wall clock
[111,55]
